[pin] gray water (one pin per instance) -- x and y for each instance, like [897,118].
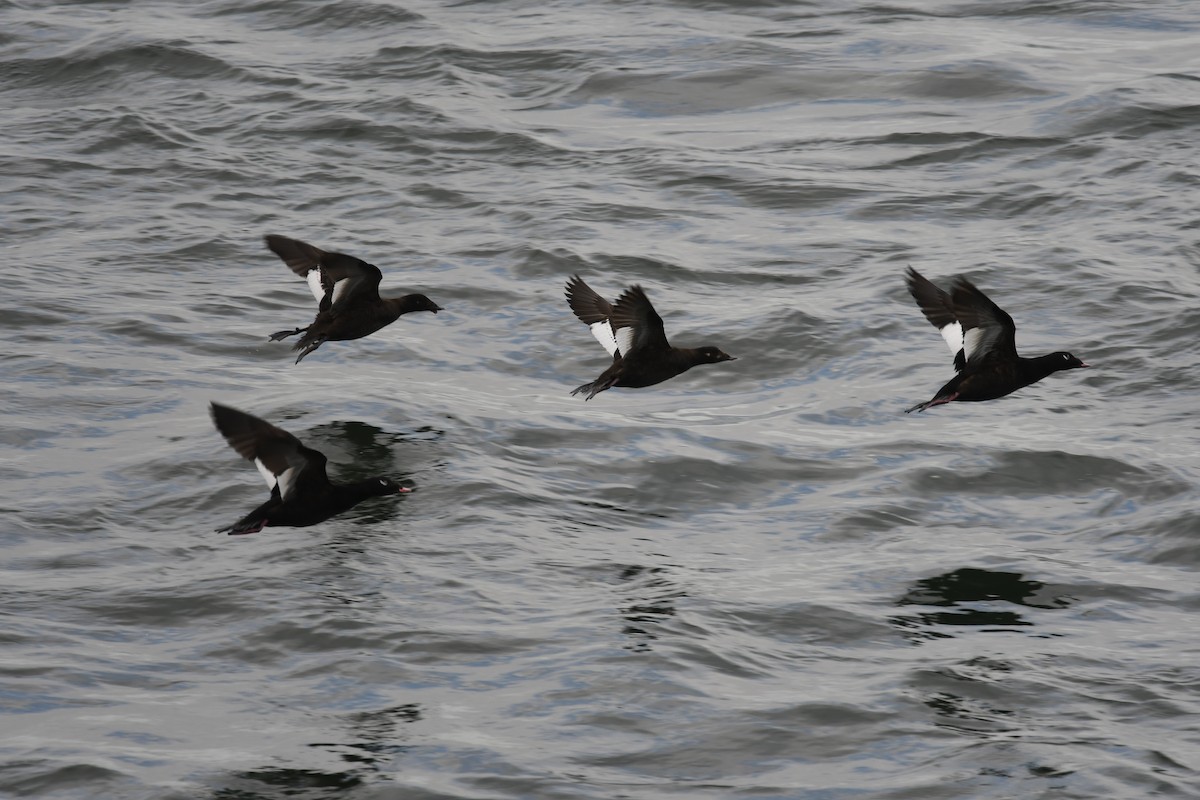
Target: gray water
[758,580]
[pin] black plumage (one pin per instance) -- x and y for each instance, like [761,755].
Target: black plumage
[983,338]
[632,332]
[347,290]
[301,492]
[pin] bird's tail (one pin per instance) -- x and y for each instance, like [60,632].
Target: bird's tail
[307,344]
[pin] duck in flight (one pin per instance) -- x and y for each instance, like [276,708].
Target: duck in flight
[347,291]
[632,333]
[301,493]
[983,339]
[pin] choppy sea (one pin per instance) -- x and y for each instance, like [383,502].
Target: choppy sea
[760,580]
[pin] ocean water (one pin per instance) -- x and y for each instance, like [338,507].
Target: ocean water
[758,580]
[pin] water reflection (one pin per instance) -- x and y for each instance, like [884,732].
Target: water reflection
[974,594]
[271,783]
[372,748]
[362,450]
[648,602]
[983,698]
[358,450]
[376,733]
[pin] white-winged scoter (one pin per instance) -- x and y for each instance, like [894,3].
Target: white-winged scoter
[632,333]
[301,492]
[983,339]
[347,291]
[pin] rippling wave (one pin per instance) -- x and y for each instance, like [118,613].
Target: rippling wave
[760,579]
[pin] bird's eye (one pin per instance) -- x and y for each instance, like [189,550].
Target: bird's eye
[383,481]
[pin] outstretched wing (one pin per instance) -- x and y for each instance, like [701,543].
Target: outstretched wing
[347,279]
[302,258]
[594,311]
[279,456]
[334,278]
[938,308]
[987,328]
[636,324]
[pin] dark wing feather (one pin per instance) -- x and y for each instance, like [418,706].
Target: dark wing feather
[301,257]
[633,311]
[594,311]
[987,328]
[279,451]
[587,305]
[348,280]
[935,304]
[938,308]
[361,280]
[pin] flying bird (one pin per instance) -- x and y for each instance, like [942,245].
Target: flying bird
[632,333]
[301,493]
[347,292]
[983,339]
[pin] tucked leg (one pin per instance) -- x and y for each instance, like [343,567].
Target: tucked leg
[937,401]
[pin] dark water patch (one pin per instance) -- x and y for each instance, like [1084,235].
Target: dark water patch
[944,207]
[1055,473]
[352,16]
[795,632]
[1167,539]
[525,73]
[977,599]
[442,197]
[170,607]
[705,92]
[649,599]
[765,192]
[273,782]
[975,80]
[1125,115]
[130,130]
[1100,13]
[31,777]
[971,584]
[968,147]
[111,66]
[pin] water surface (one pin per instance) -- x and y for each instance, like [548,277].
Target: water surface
[759,580]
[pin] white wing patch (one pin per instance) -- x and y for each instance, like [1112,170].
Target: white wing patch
[314,283]
[286,479]
[604,335]
[974,342]
[624,337]
[339,290]
[953,334]
[268,476]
